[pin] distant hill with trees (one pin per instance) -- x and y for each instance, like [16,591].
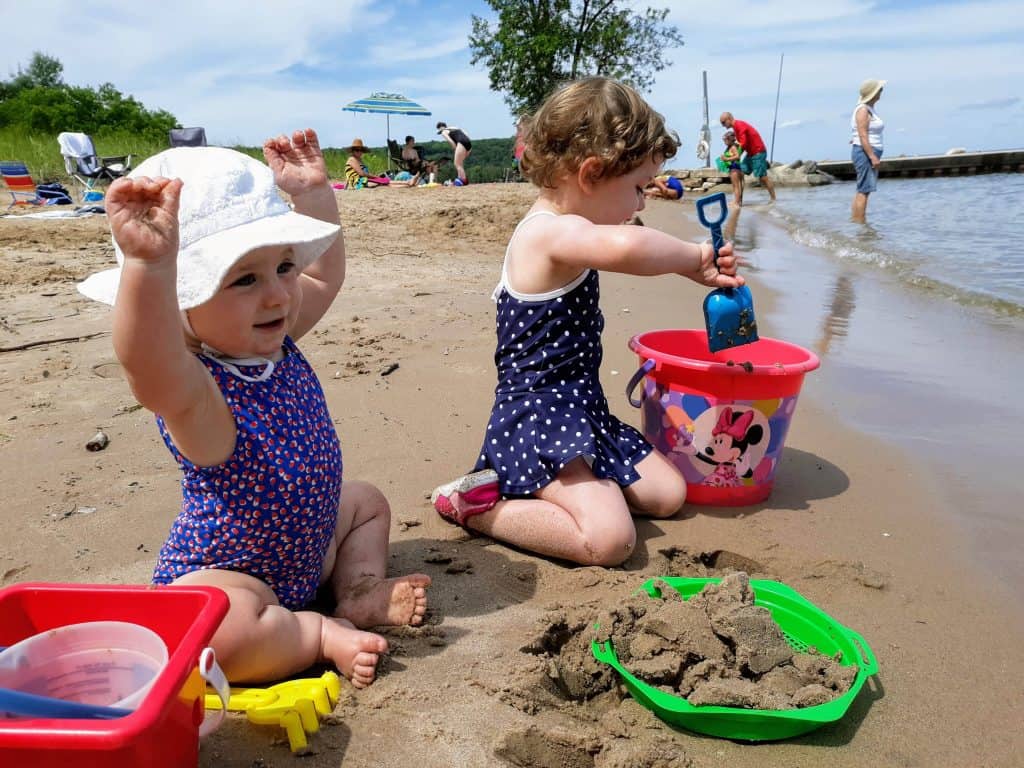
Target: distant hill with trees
[38,99]
[36,104]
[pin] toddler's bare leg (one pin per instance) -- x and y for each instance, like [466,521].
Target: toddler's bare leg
[576,517]
[356,564]
[661,489]
[260,640]
[737,187]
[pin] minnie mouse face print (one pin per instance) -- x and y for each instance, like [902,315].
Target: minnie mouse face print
[728,442]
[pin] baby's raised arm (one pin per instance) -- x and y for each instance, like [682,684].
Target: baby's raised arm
[147,328]
[299,169]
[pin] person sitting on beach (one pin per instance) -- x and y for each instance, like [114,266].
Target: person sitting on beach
[665,186]
[730,161]
[412,155]
[462,146]
[558,474]
[217,279]
[357,174]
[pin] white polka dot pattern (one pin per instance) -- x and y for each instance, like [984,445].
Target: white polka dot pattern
[549,407]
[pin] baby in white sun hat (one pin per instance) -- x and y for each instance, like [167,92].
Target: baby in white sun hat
[217,277]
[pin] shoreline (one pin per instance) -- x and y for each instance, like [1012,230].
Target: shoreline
[915,372]
[422,265]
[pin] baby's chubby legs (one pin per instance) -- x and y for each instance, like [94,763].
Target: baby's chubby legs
[582,519]
[260,640]
[357,561]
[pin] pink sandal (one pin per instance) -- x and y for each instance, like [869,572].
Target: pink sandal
[471,494]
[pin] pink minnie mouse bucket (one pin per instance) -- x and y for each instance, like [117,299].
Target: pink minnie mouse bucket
[720,417]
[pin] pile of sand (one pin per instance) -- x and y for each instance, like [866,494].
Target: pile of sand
[716,648]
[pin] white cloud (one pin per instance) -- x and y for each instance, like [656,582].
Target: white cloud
[771,14]
[1001,103]
[393,53]
[200,61]
[934,57]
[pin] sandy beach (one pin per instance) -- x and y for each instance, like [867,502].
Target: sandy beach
[854,523]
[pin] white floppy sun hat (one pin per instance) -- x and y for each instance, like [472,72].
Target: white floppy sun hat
[229,206]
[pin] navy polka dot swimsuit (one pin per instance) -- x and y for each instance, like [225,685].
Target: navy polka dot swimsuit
[549,407]
[270,510]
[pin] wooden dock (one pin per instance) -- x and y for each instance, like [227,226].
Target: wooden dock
[963,164]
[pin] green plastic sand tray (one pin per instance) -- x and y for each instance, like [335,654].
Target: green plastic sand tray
[803,625]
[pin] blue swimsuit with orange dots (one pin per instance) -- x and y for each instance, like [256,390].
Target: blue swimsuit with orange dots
[271,508]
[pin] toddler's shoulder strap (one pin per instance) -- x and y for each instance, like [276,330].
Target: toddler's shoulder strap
[504,264]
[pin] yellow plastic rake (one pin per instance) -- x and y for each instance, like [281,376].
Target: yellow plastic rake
[295,705]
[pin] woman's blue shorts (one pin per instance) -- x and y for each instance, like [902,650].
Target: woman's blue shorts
[867,177]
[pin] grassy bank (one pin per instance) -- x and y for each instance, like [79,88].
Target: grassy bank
[41,153]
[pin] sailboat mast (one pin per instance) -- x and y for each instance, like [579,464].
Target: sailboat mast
[778,90]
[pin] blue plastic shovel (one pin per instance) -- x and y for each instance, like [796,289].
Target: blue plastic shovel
[728,312]
[32,705]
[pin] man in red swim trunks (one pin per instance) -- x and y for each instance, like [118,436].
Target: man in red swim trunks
[755,160]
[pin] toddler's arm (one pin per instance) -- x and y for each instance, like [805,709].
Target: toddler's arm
[575,241]
[299,169]
[148,337]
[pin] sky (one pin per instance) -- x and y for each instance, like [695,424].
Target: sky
[954,69]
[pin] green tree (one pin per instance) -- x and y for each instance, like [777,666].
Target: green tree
[42,72]
[37,99]
[537,44]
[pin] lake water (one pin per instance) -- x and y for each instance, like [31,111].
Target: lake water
[918,319]
[961,238]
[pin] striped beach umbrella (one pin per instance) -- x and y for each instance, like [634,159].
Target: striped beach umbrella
[387,104]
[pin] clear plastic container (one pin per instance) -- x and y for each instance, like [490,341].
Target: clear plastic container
[102,663]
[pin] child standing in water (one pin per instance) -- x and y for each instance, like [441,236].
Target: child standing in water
[217,278]
[558,474]
[730,161]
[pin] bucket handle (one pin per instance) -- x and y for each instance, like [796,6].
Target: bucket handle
[642,371]
[212,674]
[867,656]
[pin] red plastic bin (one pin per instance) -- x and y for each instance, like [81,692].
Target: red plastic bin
[164,731]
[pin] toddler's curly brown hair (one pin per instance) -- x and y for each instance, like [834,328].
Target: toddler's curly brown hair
[593,117]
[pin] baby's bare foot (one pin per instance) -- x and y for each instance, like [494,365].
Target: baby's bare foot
[351,650]
[377,602]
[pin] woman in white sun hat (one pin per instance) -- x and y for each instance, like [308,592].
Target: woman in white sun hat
[866,137]
[216,278]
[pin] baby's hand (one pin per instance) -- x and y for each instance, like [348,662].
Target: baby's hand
[143,215]
[722,276]
[297,163]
